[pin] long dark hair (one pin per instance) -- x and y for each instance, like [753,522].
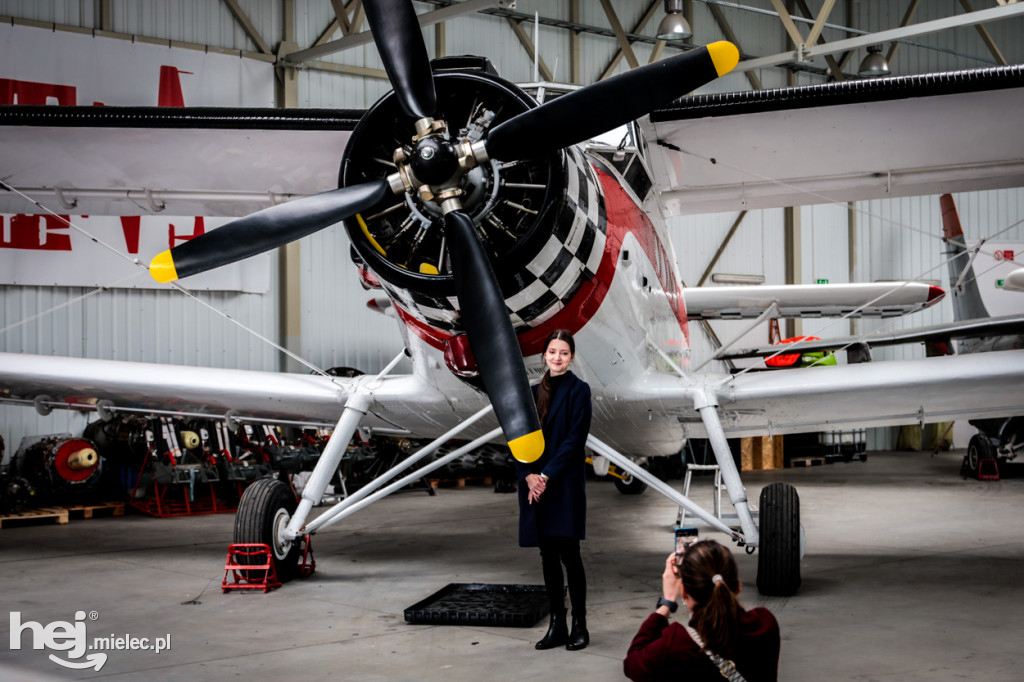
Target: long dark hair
[544,390]
[716,616]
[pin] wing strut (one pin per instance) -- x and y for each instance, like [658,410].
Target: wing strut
[626,464]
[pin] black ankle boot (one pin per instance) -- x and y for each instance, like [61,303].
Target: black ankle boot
[557,633]
[579,638]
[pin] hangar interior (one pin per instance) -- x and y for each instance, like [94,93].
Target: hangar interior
[305,301]
[312,303]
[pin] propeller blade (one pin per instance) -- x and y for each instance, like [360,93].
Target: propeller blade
[492,339]
[265,230]
[607,104]
[398,37]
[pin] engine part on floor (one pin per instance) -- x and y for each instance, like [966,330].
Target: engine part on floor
[58,467]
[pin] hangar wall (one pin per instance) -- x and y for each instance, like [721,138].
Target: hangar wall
[337,330]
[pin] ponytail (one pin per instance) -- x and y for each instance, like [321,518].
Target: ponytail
[711,578]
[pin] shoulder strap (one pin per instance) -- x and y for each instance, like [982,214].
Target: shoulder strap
[727,667]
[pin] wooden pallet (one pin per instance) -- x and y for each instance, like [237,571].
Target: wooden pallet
[88,511]
[460,481]
[806,461]
[34,516]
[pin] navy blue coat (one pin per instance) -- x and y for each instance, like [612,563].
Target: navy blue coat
[562,509]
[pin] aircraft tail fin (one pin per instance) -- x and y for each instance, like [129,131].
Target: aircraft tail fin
[967,303]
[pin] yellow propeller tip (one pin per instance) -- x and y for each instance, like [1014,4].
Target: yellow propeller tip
[725,55]
[161,268]
[527,448]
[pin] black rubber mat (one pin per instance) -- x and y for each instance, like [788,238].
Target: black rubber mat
[515,606]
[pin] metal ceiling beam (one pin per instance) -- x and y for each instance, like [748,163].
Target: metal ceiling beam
[527,43]
[936,26]
[907,16]
[833,65]
[620,35]
[986,37]
[639,27]
[243,20]
[730,35]
[428,19]
[819,23]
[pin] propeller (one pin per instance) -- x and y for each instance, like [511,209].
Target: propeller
[492,338]
[434,166]
[587,112]
[266,230]
[399,40]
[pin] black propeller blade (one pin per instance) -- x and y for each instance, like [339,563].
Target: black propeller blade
[398,37]
[493,339]
[265,230]
[607,104]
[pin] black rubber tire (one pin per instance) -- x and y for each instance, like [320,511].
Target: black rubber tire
[778,560]
[265,507]
[978,448]
[631,485]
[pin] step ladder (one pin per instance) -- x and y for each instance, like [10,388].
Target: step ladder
[690,468]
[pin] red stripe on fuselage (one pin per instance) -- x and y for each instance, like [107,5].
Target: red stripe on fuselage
[624,216]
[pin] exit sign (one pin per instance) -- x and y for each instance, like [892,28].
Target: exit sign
[999,283]
[822,281]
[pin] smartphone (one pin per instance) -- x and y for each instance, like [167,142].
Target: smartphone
[686,537]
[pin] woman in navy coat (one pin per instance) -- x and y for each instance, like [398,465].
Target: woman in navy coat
[552,494]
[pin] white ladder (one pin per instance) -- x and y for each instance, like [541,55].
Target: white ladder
[690,468]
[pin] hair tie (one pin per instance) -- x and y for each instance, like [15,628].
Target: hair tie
[716,578]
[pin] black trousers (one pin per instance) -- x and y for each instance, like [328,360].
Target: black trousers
[554,552]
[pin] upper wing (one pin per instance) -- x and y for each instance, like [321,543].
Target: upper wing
[195,161]
[880,299]
[850,396]
[890,137]
[405,404]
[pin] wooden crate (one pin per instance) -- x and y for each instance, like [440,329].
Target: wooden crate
[761,452]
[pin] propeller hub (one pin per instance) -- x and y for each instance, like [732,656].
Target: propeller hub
[434,160]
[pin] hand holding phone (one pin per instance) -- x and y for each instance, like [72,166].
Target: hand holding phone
[686,537]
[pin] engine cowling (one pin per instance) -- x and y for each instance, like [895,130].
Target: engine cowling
[542,222]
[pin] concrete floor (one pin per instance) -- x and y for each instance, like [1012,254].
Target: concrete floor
[911,574]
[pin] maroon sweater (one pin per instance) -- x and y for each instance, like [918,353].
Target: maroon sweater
[661,651]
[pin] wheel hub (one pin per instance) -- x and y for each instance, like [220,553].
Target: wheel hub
[281,544]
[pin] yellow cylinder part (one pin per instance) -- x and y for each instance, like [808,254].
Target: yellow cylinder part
[189,440]
[83,459]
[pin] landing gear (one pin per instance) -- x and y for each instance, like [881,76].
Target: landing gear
[629,484]
[263,514]
[778,561]
[978,449]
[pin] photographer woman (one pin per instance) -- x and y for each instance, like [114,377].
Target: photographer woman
[552,495]
[722,639]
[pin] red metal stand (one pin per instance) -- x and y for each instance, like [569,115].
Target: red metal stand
[988,469]
[307,565]
[251,575]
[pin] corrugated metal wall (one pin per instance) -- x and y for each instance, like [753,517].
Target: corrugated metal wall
[337,329]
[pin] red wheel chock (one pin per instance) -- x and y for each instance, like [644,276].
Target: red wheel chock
[255,571]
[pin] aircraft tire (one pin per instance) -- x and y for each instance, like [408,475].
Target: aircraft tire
[631,485]
[778,557]
[978,448]
[263,512]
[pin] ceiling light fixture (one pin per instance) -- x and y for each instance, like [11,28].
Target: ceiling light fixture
[874,65]
[674,26]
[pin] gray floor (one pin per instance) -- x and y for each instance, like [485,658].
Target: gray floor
[911,574]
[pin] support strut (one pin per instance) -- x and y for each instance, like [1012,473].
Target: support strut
[708,409]
[626,464]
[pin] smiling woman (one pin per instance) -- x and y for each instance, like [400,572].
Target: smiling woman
[552,494]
